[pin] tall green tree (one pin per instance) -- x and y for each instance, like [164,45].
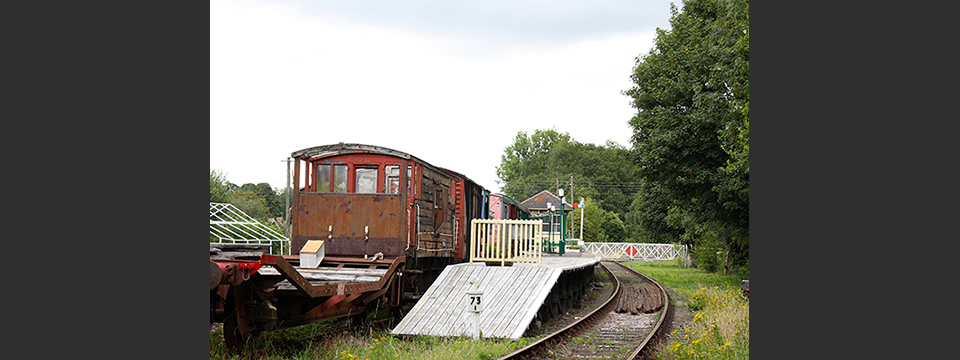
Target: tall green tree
[691,130]
[250,203]
[270,197]
[547,158]
[219,187]
[525,164]
[648,213]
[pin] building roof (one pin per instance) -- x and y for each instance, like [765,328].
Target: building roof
[540,200]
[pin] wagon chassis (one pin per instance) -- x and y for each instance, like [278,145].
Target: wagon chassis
[249,301]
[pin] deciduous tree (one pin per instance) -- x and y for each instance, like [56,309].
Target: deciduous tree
[691,130]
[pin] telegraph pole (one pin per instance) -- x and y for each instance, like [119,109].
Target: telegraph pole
[581,218]
[286,208]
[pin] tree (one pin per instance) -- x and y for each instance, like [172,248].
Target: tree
[648,212]
[613,228]
[270,196]
[691,130]
[250,203]
[526,162]
[541,161]
[218,187]
[260,201]
[593,221]
[600,225]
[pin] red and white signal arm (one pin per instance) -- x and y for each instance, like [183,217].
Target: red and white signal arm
[632,251]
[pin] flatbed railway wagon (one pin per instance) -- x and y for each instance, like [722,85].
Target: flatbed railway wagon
[389,223]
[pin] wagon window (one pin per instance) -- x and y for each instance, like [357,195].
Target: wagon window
[409,179]
[340,178]
[323,178]
[366,180]
[392,184]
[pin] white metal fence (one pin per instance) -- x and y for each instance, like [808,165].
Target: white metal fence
[230,225]
[635,250]
[506,241]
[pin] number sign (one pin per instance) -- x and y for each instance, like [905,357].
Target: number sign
[475,301]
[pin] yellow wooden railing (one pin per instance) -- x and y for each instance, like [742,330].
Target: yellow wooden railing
[506,241]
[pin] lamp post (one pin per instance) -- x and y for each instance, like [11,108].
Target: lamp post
[553,210]
[550,228]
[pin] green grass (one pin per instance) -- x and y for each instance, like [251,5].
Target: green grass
[374,345]
[685,280]
[721,314]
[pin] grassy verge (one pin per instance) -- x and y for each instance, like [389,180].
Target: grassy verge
[373,345]
[721,314]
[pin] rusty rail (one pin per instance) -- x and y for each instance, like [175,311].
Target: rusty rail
[667,312]
[558,337]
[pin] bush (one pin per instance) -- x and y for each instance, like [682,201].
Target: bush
[708,257]
[743,272]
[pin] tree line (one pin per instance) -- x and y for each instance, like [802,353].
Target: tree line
[260,201]
[603,175]
[686,178]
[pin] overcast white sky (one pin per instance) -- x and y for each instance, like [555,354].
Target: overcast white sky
[451,82]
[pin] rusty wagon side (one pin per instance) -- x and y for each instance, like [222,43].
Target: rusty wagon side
[390,223]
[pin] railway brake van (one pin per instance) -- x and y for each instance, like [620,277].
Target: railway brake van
[373,202]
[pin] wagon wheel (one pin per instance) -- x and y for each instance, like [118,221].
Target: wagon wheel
[233,338]
[357,319]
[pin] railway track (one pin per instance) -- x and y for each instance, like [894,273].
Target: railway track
[606,333]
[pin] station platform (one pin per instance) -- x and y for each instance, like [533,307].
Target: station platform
[511,297]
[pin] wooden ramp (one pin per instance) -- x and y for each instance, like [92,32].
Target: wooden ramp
[511,297]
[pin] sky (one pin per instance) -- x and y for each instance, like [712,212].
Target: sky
[451,82]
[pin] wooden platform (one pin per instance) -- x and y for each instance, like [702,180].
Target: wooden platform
[511,297]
